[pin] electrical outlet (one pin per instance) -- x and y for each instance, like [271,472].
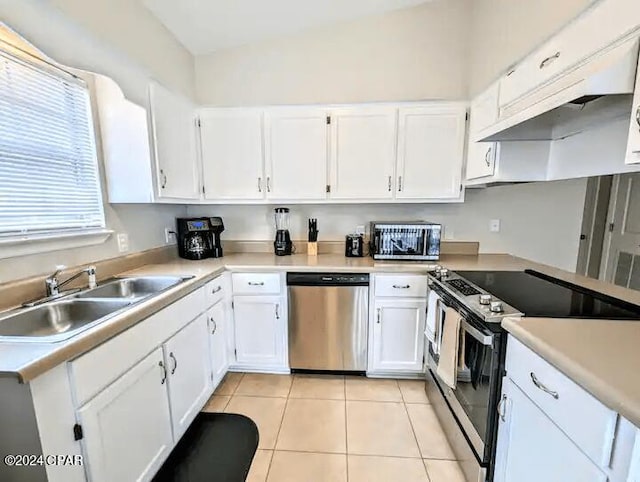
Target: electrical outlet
[449,234]
[494,225]
[169,236]
[123,242]
[360,229]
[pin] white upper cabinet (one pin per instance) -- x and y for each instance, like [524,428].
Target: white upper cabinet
[296,148]
[174,135]
[430,151]
[232,154]
[633,142]
[481,156]
[363,152]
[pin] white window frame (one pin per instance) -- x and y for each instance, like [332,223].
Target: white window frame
[56,239]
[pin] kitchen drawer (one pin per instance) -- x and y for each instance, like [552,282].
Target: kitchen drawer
[577,413]
[96,369]
[214,290]
[256,283]
[401,286]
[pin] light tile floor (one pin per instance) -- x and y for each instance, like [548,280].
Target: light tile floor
[321,428]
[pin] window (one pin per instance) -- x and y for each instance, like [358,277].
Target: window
[49,178]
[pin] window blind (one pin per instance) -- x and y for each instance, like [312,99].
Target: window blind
[49,181]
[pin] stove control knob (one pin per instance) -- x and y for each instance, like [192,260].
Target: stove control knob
[485,299]
[496,307]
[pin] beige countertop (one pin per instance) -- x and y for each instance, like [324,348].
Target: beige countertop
[27,360]
[602,356]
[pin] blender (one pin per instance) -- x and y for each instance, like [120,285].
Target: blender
[282,245]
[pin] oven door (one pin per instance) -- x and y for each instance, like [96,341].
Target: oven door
[474,399]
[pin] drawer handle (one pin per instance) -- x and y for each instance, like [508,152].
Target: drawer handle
[278,311]
[215,326]
[253,283]
[216,290]
[378,315]
[402,287]
[164,373]
[501,407]
[549,59]
[175,363]
[486,157]
[542,387]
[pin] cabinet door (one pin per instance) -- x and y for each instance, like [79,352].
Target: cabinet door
[363,153]
[430,152]
[484,111]
[481,159]
[296,148]
[127,426]
[218,342]
[187,360]
[532,448]
[633,143]
[398,328]
[260,331]
[232,156]
[174,135]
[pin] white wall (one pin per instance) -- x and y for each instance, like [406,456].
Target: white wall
[71,44]
[504,31]
[539,221]
[416,53]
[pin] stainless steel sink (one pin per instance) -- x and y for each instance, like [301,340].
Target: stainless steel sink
[58,320]
[132,288]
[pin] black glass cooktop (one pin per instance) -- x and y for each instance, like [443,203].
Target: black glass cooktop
[536,294]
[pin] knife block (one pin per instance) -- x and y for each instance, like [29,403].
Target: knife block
[312,248]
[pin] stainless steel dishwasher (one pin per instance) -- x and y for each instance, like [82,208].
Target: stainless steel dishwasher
[328,316]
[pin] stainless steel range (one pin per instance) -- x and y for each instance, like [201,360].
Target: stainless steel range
[468,410]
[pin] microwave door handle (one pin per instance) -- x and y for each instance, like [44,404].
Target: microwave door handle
[486,340]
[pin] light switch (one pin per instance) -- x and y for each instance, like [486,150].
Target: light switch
[123,242]
[494,225]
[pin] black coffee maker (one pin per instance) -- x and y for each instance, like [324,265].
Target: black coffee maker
[216,226]
[194,238]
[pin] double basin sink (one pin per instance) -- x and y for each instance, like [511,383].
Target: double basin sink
[63,318]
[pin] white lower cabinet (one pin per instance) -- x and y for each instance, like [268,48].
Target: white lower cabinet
[397,341]
[186,357]
[127,427]
[217,327]
[531,448]
[260,332]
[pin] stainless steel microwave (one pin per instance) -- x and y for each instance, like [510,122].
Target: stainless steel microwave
[412,241]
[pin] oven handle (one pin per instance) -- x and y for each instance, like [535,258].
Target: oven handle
[486,340]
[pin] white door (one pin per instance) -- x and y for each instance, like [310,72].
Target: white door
[260,328]
[363,153]
[398,328]
[127,427]
[218,342]
[483,111]
[174,135]
[622,250]
[481,159]
[531,448]
[232,154]
[187,359]
[633,143]
[430,152]
[296,148]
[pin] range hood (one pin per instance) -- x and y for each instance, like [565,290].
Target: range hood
[597,91]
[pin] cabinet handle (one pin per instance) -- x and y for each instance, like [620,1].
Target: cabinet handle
[486,157]
[216,290]
[378,315]
[399,183]
[253,283]
[501,408]
[175,363]
[164,179]
[389,184]
[402,287]
[164,373]
[268,184]
[215,325]
[549,59]
[277,311]
[638,116]
[542,387]
[259,184]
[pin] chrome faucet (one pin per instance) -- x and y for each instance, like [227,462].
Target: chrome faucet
[53,285]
